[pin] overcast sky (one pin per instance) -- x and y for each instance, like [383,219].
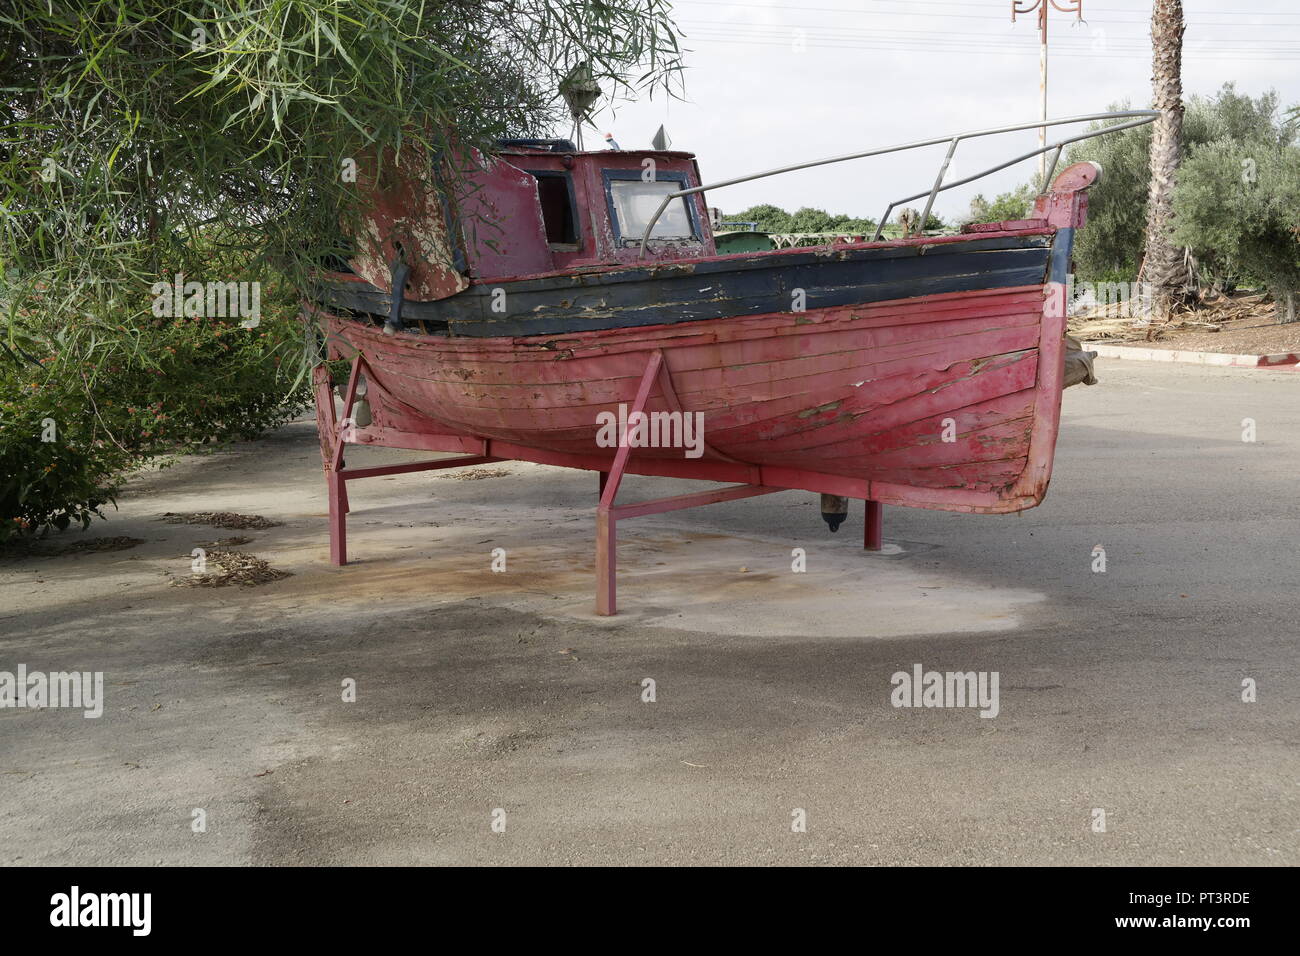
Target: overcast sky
[774,82]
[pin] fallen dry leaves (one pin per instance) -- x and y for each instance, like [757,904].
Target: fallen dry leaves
[220,519]
[226,568]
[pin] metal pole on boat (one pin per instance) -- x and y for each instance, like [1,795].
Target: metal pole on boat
[1042,7]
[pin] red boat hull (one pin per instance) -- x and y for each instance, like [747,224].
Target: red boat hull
[946,401]
[948,398]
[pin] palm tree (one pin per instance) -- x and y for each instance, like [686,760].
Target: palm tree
[1164,265]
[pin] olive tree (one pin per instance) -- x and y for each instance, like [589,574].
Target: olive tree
[1240,203]
[1111,248]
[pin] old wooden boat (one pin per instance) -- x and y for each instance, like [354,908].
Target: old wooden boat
[569,307]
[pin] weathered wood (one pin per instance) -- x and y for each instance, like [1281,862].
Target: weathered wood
[924,373]
[719,287]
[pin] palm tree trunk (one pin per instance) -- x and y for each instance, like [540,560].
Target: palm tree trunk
[1163,265]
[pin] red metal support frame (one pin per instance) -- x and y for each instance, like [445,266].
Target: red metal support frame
[874,526]
[335,432]
[331,452]
[334,435]
[608,514]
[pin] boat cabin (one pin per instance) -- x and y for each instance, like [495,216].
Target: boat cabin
[533,207]
[594,206]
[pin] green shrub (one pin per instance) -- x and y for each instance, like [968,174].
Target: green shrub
[60,481]
[1010,206]
[96,400]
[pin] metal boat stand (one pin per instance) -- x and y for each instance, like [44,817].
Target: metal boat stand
[608,514]
[334,434]
[337,432]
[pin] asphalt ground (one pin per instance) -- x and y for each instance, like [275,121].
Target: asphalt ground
[496,720]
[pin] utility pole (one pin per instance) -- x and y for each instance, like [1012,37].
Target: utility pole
[1029,6]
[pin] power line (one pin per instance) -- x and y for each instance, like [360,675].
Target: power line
[1140,18]
[1094,46]
[947,46]
[873,31]
[955,3]
[1136,43]
[1005,51]
[1132,43]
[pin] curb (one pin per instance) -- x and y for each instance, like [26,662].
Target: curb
[1282,361]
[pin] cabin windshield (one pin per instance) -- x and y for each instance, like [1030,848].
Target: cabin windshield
[635,202]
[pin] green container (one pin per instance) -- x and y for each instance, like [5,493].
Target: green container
[742,241]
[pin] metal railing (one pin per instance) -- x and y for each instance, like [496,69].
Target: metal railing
[1146,116]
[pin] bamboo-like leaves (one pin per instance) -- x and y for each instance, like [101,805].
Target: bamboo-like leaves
[142,139]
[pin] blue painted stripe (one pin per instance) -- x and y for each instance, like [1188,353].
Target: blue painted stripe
[711,289]
[1062,248]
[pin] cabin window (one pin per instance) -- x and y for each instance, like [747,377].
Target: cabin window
[559,211]
[633,202]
